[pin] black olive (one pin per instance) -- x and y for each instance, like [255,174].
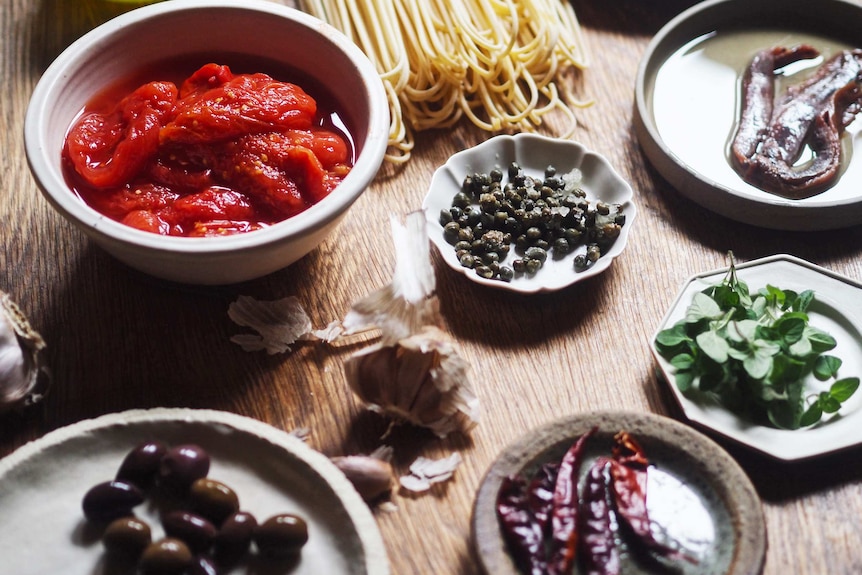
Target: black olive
[110,500]
[183,465]
[195,531]
[213,499]
[141,464]
[234,538]
[281,535]
[168,556]
[202,565]
[127,536]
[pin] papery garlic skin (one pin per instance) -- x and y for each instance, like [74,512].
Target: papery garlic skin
[407,303]
[22,379]
[421,379]
[279,324]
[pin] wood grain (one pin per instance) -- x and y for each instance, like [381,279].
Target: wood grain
[119,340]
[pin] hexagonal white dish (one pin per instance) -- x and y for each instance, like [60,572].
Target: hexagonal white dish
[534,153]
[43,482]
[836,310]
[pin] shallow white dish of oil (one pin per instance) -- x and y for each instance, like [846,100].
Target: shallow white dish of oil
[43,482]
[533,153]
[687,94]
[696,492]
[836,310]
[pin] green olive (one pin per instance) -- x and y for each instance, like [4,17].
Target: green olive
[127,536]
[168,556]
[281,535]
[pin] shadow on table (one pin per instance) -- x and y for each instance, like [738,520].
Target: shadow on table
[776,481]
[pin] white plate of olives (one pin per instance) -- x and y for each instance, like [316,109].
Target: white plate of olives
[529,213]
[62,499]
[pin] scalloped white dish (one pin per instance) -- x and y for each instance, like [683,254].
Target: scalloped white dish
[696,493]
[836,310]
[684,127]
[534,153]
[43,482]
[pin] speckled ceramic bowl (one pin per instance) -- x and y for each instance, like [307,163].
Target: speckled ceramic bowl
[253,30]
[698,496]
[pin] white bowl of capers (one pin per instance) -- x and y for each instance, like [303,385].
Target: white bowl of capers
[529,213]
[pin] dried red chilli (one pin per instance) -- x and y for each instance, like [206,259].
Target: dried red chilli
[564,514]
[520,528]
[628,483]
[597,547]
[541,495]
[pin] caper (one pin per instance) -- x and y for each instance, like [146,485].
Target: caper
[141,464]
[127,537]
[581,262]
[562,246]
[496,175]
[234,537]
[445,217]
[281,535]
[519,266]
[484,271]
[532,266]
[195,531]
[110,500]
[593,252]
[506,273]
[168,556]
[536,254]
[213,499]
[461,200]
[450,232]
[465,234]
[182,465]
[513,170]
[467,260]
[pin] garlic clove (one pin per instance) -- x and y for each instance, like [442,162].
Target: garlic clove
[371,476]
[421,379]
[23,380]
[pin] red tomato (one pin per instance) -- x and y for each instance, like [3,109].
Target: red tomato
[224,154]
[110,149]
[246,104]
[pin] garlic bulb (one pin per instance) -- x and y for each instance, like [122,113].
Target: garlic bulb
[420,379]
[23,381]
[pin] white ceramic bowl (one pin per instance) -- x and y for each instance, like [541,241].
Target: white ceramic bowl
[533,153]
[252,30]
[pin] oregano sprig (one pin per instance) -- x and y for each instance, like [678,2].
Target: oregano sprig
[753,353]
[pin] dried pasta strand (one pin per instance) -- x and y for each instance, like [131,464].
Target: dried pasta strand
[504,64]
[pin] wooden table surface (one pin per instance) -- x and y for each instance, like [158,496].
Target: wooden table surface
[119,340]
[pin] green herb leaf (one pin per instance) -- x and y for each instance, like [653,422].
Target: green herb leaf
[757,366]
[843,389]
[702,307]
[683,361]
[812,415]
[713,345]
[820,340]
[672,337]
[826,367]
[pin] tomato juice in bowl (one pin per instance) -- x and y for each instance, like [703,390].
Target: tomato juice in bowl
[250,36]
